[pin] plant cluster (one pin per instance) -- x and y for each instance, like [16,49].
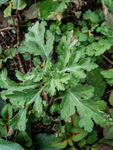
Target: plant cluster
[60,92]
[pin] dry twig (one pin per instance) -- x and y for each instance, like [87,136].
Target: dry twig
[16,133]
[7,28]
[10,53]
[18,43]
[6,131]
[30,63]
[108,60]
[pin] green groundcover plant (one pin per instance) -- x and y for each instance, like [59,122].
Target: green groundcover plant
[59,101]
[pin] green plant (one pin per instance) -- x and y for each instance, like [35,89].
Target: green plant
[14,4]
[108,75]
[62,87]
[56,77]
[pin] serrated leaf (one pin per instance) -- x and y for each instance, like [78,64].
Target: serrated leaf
[92,16]
[35,98]
[71,60]
[68,107]
[13,87]
[87,108]
[35,40]
[6,145]
[95,79]
[68,103]
[97,48]
[19,99]
[108,75]
[47,7]
[78,134]
[59,142]
[19,75]
[78,69]
[57,82]
[19,120]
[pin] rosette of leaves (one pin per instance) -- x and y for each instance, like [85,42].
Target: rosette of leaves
[64,77]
